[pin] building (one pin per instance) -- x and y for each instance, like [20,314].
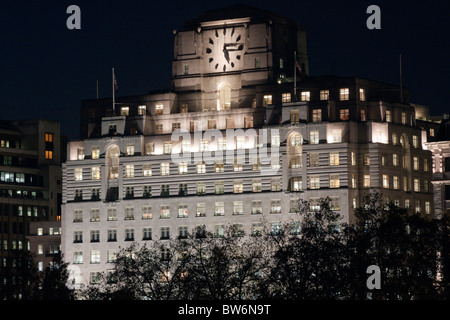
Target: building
[30,182]
[235,141]
[440,147]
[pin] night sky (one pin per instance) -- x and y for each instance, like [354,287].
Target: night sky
[46,69]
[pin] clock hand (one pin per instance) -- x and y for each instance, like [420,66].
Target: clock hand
[226,54]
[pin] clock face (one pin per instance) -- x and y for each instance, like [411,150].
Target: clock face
[224,49]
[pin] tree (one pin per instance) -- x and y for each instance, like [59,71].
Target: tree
[402,244]
[228,267]
[54,283]
[312,264]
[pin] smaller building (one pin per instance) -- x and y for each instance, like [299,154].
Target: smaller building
[440,148]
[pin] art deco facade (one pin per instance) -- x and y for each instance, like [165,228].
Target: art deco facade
[232,143]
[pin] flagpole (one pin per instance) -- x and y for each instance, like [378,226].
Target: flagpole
[295,75]
[97,89]
[401,80]
[113,90]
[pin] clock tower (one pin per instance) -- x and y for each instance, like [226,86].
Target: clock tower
[220,56]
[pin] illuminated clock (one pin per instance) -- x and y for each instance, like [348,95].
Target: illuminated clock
[224,49]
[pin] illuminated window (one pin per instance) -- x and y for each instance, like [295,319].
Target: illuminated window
[431,132]
[395,182]
[314,159]
[417,206]
[395,159]
[305,96]
[324,94]
[275,184]
[95,258]
[94,215]
[142,110]
[334,181]
[334,203]
[425,164]
[353,158]
[182,211]
[363,115]
[219,208]
[388,116]
[314,137]
[286,97]
[366,181]
[237,166]
[212,124]
[112,214]
[296,184]
[147,169]
[248,122]
[415,140]
[415,163]
[48,154]
[167,147]
[48,137]
[394,138]
[130,149]
[354,181]
[95,173]
[224,102]
[182,168]
[124,111]
[385,181]
[176,126]
[267,100]
[159,109]
[314,182]
[218,187]
[201,167]
[165,169]
[95,152]
[275,206]
[366,159]
[427,207]
[344,114]
[201,188]
[256,207]
[80,153]
[403,117]
[129,171]
[275,138]
[165,212]
[336,135]
[256,185]
[317,115]
[416,185]
[295,162]
[204,145]
[314,204]
[218,166]
[238,207]
[343,94]
[334,158]
[78,174]
[146,212]
[362,94]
